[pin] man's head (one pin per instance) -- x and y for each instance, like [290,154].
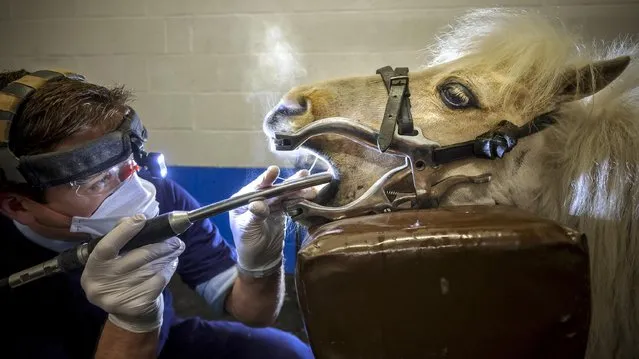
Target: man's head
[61,115]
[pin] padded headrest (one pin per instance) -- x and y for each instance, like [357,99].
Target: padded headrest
[461,282]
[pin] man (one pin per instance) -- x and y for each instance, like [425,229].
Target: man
[70,119]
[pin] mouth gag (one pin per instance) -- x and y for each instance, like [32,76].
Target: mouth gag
[399,137]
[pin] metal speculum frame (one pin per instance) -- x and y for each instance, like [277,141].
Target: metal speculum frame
[420,164]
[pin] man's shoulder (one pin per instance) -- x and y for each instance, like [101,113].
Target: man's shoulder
[163,184]
[170,195]
[18,252]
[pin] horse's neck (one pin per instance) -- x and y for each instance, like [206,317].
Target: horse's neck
[587,168]
[518,178]
[535,184]
[585,175]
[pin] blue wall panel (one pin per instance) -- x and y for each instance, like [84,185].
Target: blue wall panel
[212,184]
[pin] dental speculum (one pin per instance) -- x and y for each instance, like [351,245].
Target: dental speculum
[420,165]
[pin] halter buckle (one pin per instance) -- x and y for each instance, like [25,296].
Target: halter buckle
[398,109]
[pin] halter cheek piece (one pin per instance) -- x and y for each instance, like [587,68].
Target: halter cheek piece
[490,145]
[60,167]
[398,136]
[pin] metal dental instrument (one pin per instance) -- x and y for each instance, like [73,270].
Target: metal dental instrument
[420,165]
[159,228]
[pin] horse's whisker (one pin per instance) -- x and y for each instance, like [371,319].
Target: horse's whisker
[313,165]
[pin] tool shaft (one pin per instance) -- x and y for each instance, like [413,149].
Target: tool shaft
[160,228]
[175,223]
[244,199]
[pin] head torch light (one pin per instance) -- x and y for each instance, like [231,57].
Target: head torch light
[68,166]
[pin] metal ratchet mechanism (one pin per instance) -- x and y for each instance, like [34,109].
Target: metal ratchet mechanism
[420,164]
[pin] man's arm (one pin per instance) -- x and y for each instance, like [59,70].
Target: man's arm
[256,301]
[258,232]
[212,268]
[117,343]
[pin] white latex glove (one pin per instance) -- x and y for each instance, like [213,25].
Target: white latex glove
[258,229]
[129,287]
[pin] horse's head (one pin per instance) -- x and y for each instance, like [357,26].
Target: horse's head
[493,66]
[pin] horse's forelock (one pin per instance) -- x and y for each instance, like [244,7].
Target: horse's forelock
[524,46]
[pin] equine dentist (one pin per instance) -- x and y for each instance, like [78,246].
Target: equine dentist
[70,170]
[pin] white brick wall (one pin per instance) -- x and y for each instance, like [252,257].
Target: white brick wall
[206,71]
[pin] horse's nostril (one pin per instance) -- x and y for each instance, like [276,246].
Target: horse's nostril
[292,106]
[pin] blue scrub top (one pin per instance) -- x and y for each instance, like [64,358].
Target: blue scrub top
[51,317]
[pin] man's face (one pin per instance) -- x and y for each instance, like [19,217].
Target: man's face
[63,198]
[53,218]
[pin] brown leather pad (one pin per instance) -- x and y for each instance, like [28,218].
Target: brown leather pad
[462,282]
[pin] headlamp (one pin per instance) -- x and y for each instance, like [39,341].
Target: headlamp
[153,162]
[68,166]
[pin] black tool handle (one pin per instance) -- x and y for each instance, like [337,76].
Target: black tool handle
[155,230]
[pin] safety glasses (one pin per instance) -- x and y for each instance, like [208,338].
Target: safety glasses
[107,181]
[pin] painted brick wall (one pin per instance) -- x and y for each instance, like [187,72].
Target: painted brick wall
[196,65]
[206,71]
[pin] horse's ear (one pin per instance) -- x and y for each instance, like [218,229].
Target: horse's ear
[590,79]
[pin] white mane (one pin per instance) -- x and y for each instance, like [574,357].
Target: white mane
[592,185]
[589,179]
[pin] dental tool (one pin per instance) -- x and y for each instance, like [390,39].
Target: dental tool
[160,228]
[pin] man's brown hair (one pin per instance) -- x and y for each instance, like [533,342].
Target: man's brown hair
[62,108]
[59,109]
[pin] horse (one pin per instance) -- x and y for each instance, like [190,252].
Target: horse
[582,171]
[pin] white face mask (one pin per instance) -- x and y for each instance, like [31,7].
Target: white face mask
[134,196]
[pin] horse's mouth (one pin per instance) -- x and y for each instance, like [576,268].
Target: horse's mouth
[308,158]
[321,163]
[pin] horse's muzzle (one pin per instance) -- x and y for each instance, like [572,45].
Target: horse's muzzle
[289,107]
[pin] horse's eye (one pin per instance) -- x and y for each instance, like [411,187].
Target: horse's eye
[456,96]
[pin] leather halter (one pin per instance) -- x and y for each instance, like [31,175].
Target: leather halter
[489,145]
[397,111]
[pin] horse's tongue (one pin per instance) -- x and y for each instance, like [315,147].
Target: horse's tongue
[327,192]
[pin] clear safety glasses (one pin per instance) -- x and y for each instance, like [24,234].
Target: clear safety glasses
[105,181]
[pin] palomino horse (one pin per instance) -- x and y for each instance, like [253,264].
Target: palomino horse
[582,171]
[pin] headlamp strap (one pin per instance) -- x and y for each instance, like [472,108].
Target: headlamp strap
[14,95]
[12,98]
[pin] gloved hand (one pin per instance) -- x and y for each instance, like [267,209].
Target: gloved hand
[129,287]
[258,229]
